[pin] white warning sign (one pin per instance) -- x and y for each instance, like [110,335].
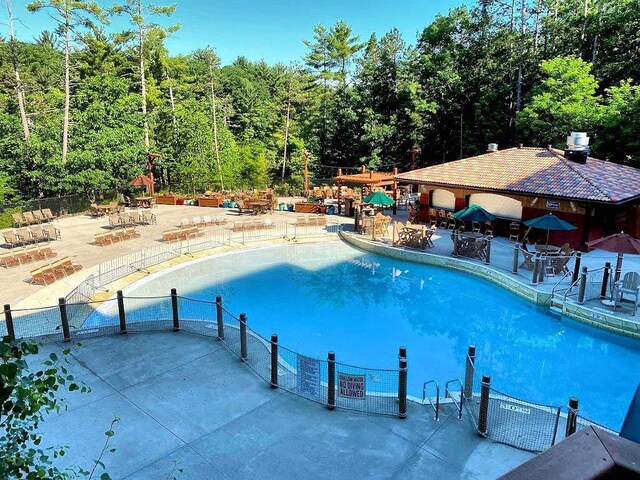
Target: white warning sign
[351,386]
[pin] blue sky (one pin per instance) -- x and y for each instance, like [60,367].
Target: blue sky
[272,30]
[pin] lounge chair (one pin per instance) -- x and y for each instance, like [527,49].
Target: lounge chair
[184,223]
[207,220]
[115,221]
[40,218]
[48,214]
[12,239]
[221,220]
[52,232]
[30,218]
[197,222]
[629,285]
[135,218]
[39,233]
[94,211]
[24,234]
[18,220]
[149,218]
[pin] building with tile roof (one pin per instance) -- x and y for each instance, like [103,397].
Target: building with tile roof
[597,196]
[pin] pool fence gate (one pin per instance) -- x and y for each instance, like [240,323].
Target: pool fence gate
[495,415]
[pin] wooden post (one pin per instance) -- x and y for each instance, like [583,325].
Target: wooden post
[331,380]
[483,410]
[8,318]
[274,361]
[64,319]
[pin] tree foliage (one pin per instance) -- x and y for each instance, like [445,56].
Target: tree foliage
[526,71]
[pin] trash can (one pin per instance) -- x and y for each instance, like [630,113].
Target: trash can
[290,207]
[179,201]
[331,210]
[225,204]
[282,207]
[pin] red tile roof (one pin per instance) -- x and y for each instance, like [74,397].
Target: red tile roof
[535,171]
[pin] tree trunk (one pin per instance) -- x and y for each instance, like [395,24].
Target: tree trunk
[174,120]
[19,87]
[215,125]
[143,86]
[67,90]
[523,30]
[536,36]
[286,130]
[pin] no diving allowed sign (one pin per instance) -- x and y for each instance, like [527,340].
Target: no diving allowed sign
[351,386]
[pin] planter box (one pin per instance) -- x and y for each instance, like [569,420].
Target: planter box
[168,199]
[307,208]
[209,202]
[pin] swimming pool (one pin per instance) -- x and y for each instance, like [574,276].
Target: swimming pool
[331,297]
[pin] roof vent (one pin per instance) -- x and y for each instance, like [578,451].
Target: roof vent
[577,147]
[492,147]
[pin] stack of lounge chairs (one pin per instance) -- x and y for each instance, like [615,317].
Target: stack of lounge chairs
[24,255]
[180,234]
[251,225]
[131,219]
[115,236]
[54,271]
[203,221]
[32,218]
[311,221]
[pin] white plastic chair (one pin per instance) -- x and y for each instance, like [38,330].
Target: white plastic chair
[629,286]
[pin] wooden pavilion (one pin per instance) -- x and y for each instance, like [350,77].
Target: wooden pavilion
[367,180]
[517,184]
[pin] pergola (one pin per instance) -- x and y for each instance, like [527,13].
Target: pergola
[367,180]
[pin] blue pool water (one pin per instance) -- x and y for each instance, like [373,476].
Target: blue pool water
[331,297]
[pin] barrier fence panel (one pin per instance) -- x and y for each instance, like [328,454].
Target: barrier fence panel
[148,313]
[301,375]
[582,422]
[42,323]
[367,389]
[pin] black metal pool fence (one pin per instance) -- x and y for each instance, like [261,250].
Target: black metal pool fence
[513,421]
[495,415]
[328,382]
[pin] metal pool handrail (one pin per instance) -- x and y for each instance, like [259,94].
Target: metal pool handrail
[436,407]
[448,395]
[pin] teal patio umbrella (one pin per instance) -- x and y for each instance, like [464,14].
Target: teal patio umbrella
[473,213]
[378,198]
[549,222]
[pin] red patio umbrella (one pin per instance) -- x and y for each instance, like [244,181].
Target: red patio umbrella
[617,243]
[141,181]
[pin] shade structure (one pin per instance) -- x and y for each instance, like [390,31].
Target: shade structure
[473,213]
[141,181]
[617,243]
[549,222]
[378,198]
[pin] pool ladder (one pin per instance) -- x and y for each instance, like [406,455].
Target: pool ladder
[436,407]
[447,393]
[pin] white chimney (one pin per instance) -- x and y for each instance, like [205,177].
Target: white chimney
[578,140]
[492,147]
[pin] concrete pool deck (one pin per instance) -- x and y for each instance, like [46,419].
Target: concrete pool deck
[185,402]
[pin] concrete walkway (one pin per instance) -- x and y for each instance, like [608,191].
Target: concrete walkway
[185,402]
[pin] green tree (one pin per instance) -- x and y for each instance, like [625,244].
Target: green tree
[564,101]
[618,138]
[71,16]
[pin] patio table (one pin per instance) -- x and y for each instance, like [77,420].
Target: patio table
[548,249]
[106,208]
[143,201]
[258,205]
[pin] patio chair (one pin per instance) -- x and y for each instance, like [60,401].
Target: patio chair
[629,285]
[514,231]
[52,232]
[433,217]
[414,214]
[451,222]
[475,227]
[527,263]
[136,219]
[24,234]
[18,220]
[39,216]
[94,211]
[48,214]
[207,220]
[184,222]
[442,219]
[12,239]
[39,233]
[114,221]
[197,221]
[29,217]
[149,218]
[488,228]
[221,220]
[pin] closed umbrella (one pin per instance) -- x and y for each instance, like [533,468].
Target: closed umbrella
[473,213]
[549,222]
[378,198]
